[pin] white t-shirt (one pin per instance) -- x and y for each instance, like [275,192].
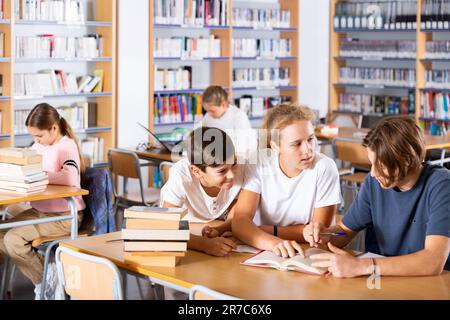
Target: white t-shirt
[287,201]
[236,124]
[184,190]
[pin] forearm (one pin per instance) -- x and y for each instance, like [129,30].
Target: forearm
[338,241]
[294,232]
[421,263]
[249,233]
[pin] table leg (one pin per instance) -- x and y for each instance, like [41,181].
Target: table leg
[74,213]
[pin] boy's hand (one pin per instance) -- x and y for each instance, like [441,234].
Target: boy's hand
[287,248]
[218,246]
[311,234]
[210,232]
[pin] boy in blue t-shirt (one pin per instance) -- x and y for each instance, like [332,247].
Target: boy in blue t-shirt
[405,201]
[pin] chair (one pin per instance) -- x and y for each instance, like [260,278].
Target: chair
[87,277]
[199,292]
[164,169]
[351,151]
[125,164]
[369,121]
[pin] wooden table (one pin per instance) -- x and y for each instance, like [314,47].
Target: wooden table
[228,276]
[52,192]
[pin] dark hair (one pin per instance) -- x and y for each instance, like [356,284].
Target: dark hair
[215,95]
[43,116]
[209,147]
[398,145]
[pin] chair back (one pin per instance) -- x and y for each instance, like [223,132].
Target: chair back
[199,292]
[124,163]
[87,277]
[351,151]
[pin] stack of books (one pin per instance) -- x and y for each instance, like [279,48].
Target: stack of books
[21,171]
[155,236]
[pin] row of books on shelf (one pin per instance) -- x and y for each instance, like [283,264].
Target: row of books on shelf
[258,106]
[439,79]
[438,49]
[187,47]
[435,128]
[261,18]
[92,148]
[80,115]
[435,105]
[21,171]
[51,46]
[435,14]
[265,48]
[387,15]
[154,236]
[260,77]
[173,78]
[50,10]
[56,82]
[378,76]
[368,104]
[191,12]
[177,108]
[354,47]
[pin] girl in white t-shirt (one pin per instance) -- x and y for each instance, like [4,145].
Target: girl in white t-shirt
[206,184]
[286,187]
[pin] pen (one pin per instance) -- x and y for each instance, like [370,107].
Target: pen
[333,234]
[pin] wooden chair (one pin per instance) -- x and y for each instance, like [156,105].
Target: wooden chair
[87,277]
[199,292]
[125,164]
[353,152]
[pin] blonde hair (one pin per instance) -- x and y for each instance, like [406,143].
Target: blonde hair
[284,115]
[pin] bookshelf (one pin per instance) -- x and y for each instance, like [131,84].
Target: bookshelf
[220,67]
[95,17]
[420,36]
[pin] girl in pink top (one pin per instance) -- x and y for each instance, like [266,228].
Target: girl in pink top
[55,141]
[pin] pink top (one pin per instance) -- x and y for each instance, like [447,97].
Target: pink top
[61,161]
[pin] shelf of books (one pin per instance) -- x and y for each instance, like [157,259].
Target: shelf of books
[249,48]
[392,57]
[62,53]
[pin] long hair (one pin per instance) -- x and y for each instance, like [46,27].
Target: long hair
[43,116]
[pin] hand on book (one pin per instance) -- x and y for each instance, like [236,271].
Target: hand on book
[340,263]
[312,234]
[287,248]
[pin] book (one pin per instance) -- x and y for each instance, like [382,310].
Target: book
[22,190]
[152,234]
[18,170]
[268,259]
[91,85]
[155,245]
[155,213]
[20,156]
[29,186]
[154,259]
[99,73]
[131,223]
[24,179]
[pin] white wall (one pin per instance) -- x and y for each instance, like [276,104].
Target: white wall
[133,71]
[314,54]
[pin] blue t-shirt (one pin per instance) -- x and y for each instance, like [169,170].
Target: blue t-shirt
[402,220]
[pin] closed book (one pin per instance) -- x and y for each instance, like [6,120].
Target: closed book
[13,184]
[155,246]
[21,160]
[17,152]
[170,259]
[153,234]
[155,213]
[24,179]
[131,223]
[19,170]
[91,85]
[22,190]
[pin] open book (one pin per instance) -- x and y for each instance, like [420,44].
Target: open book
[268,259]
